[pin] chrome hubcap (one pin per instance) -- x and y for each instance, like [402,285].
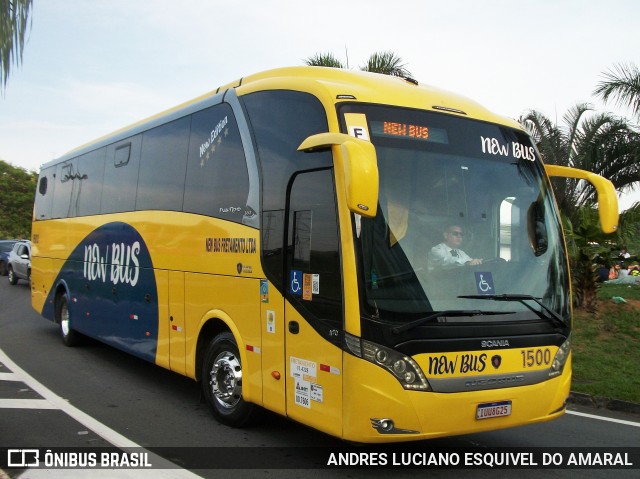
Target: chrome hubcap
[225,379]
[64,320]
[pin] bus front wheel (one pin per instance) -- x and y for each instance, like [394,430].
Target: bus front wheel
[63,317]
[222,381]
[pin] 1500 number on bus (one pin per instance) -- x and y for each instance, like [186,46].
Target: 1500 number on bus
[535,357]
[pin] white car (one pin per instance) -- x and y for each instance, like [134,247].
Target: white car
[19,264]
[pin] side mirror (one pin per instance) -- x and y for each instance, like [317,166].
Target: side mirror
[356,167]
[607,198]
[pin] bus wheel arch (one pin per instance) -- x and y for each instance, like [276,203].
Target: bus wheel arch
[221,374]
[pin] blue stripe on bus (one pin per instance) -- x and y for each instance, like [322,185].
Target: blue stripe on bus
[113,295]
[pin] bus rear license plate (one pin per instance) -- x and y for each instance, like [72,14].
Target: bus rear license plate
[493,409]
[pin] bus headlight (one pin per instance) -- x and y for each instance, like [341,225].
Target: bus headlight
[403,368]
[560,358]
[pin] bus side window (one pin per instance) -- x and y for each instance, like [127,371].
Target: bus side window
[44,197]
[280,120]
[120,178]
[217,179]
[63,204]
[89,188]
[163,162]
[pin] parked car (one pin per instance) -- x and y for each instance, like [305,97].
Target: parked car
[5,248]
[19,265]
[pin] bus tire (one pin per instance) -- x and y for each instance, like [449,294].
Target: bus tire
[221,382]
[63,318]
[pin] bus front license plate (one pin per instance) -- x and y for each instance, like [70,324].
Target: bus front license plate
[493,409]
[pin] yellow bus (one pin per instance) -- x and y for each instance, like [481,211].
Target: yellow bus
[275,240]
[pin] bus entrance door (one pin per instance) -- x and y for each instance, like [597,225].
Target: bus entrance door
[314,376]
[313,305]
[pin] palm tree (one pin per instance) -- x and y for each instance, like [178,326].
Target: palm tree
[324,60]
[587,245]
[622,84]
[14,21]
[601,143]
[387,63]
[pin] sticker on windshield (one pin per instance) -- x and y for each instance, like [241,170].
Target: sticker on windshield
[357,125]
[493,146]
[484,283]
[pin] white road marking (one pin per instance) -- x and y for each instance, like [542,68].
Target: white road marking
[602,418]
[26,404]
[53,401]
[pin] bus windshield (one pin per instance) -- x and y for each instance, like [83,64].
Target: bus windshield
[466,225]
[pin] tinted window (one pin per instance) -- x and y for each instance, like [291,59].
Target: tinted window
[62,202]
[162,166]
[6,246]
[314,248]
[281,120]
[44,196]
[121,179]
[217,179]
[89,182]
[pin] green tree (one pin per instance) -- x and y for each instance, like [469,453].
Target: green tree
[324,60]
[387,63]
[622,84]
[17,192]
[628,234]
[600,142]
[14,22]
[587,246]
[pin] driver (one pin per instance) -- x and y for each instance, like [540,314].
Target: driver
[448,255]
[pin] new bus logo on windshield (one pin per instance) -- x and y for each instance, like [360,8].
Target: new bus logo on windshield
[492,146]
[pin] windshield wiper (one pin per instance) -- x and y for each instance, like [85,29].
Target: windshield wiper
[440,314]
[523,298]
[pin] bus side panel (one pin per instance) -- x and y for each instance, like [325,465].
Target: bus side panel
[273,363]
[43,273]
[175,327]
[236,303]
[163,346]
[111,284]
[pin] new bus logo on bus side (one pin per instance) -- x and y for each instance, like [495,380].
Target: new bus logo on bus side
[123,267]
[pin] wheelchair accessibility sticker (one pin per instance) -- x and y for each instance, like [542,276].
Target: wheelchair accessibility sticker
[484,283]
[295,282]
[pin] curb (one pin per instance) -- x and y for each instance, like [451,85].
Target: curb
[600,402]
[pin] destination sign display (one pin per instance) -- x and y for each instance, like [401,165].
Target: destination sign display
[392,129]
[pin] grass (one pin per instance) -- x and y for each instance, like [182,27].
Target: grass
[606,345]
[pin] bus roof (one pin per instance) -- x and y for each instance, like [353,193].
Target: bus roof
[330,85]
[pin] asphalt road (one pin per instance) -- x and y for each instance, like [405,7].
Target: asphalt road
[96,396]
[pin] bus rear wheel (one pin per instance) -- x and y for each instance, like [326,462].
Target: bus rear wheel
[221,382]
[63,318]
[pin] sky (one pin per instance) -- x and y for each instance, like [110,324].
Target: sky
[92,67]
